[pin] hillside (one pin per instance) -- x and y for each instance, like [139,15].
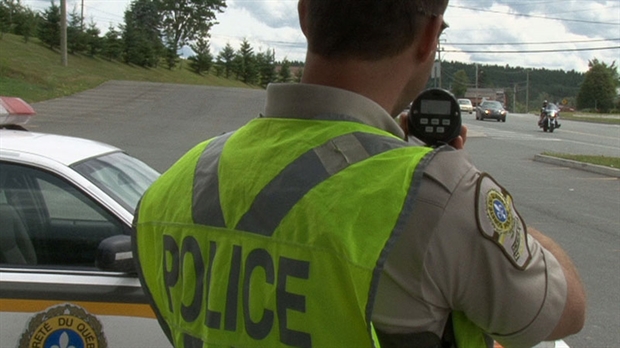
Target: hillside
[34,72]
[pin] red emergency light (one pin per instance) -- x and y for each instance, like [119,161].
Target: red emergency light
[14,111]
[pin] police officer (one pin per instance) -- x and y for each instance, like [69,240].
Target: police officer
[318,225]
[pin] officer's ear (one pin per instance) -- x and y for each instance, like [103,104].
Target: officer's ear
[429,37]
[302,10]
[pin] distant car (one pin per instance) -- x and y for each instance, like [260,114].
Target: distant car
[465,105]
[66,268]
[491,109]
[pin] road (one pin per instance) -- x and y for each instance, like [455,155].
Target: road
[580,210]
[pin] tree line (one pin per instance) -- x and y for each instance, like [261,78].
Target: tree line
[595,90]
[151,35]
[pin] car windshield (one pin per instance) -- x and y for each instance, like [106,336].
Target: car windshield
[121,176]
[492,105]
[464,101]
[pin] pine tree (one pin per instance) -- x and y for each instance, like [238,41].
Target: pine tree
[225,60]
[48,30]
[203,60]
[284,75]
[111,45]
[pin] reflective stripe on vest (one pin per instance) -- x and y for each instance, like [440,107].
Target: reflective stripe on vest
[276,235]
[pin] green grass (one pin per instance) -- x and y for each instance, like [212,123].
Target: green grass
[613,162]
[35,73]
[590,117]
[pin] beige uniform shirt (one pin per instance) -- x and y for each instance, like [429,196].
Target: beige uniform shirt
[465,249]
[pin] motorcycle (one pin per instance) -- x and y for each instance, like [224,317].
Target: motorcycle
[549,118]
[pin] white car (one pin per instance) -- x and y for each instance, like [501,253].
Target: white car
[66,268]
[465,105]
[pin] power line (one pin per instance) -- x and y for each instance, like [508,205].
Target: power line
[537,51]
[527,43]
[535,16]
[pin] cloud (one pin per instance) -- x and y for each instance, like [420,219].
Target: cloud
[275,14]
[272,31]
[520,29]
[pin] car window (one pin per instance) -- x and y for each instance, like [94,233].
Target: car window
[51,218]
[495,105]
[122,177]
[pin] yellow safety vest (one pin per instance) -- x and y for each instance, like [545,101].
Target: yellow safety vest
[276,234]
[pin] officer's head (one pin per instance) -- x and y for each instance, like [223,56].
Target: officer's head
[364,29]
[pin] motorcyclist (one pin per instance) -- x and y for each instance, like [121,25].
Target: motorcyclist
[542,112]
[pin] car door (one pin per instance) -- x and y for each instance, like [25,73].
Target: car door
[52,294]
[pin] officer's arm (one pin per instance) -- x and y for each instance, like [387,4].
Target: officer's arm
[573,316]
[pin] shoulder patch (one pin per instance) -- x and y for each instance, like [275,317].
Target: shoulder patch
[499,221]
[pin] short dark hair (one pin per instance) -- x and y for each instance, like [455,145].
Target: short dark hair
[365,29]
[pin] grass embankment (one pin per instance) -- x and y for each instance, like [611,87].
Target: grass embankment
[35,73]
[590,117]
[612,162]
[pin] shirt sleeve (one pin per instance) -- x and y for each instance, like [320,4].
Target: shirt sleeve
[481,261]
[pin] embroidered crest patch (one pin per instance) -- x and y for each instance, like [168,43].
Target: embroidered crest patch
[64,326]
[499,221]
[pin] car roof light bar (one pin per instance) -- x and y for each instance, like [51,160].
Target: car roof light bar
[14,111]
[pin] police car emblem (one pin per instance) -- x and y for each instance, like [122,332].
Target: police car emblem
[63,326]
[499,221]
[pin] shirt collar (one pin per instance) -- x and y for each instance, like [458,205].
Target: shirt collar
[307,101]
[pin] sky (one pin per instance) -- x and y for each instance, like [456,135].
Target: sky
[549,34]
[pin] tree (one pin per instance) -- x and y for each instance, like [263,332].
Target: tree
[245,63]
[76,39]
[171,57]
[203,60]
[111,45]
[459,85]
[284,75]
[299,72]
[266,66]
[142,44]
[225,60]
[598,90]
[94,43]
[48,30]
[8,11]
[26,23]
[17,19]
[184,21]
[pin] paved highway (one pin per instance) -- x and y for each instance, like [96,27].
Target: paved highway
[581,210]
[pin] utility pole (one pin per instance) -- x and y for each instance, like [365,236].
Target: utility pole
[63,32]
[527,92]
[82,17]
[514,99]
[439,58]
[476,84]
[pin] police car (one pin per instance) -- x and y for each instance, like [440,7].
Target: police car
[66,268]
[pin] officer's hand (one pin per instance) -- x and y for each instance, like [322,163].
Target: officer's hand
[458,143]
